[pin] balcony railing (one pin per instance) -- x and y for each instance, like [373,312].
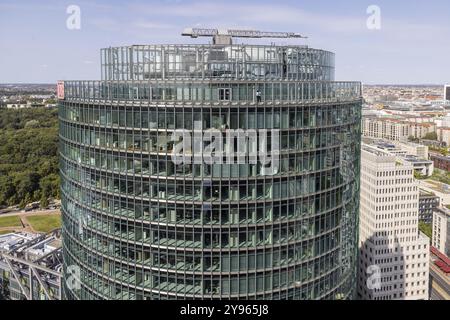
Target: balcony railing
[241,92]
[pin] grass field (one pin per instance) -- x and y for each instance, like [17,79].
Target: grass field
[441,176]
[45,223]
[12,221]
[4,232]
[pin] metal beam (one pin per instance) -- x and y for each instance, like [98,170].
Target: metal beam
[53,254]
[38,277]
[37,266]
[59,289]
[206,32]
[25,291]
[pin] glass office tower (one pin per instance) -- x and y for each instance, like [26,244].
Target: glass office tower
[138,226]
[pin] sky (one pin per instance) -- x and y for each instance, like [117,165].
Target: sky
[412,45]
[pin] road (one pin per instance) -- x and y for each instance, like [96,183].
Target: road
[29,213]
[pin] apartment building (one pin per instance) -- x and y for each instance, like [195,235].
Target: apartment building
[395,129]
[420,130]
[443,135]
[392,129]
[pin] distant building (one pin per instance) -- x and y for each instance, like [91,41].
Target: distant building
[443,135]
[428,201]
[447,93]
[416,149]
[440,162]
[440,189]
[441,230]
[394,130]
[421,166]
[443,121]
[16,105]
[392,249]
[42,96]
[24,105]
[433,143]
[420,130]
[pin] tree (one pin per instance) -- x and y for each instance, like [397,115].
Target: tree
[44,202]
[426,228]
[49,186]
[28,155]
[431,136]
[32,124]
[418,175]
[26,183]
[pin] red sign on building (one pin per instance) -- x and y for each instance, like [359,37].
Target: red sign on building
[60,90]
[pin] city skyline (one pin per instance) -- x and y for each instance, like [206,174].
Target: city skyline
[390,55]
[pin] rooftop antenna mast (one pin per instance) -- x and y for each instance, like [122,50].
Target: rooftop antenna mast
[224,36]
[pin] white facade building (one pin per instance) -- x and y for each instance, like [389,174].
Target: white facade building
[441,230]
[394,255]
[394,130]
[443,135]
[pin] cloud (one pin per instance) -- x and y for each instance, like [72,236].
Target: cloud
[153,25]
[227,15]
[106,24]
[26,7]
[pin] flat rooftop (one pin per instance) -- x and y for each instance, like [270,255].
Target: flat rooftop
[423,193]
[375,151]
[436,186]
[415,159]
[13,240]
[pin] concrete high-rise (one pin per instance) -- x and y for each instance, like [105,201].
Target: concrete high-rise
[137,225]
[394,255]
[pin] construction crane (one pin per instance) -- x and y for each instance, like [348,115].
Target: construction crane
[224,36]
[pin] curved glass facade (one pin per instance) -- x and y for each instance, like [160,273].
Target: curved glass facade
[139,226]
